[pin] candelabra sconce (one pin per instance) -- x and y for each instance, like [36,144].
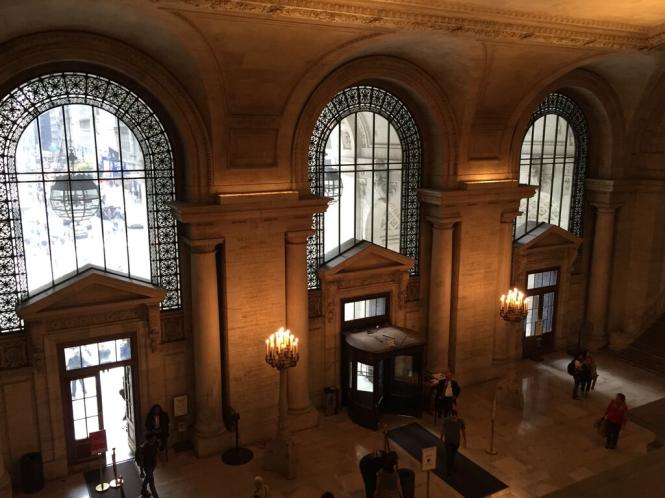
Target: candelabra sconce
[282,354]
[513,306]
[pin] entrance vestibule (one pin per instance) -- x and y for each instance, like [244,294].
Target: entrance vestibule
[99,394]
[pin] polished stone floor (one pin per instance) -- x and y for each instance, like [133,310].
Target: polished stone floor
[547,445]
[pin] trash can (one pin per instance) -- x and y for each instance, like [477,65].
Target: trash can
[407,479]
[32,472]
[331,400]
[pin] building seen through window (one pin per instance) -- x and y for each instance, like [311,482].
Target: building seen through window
[365,154]
[553,158]
[88,174]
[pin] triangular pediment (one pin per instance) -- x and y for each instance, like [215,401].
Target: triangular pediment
[89,290]
[365,257]
[546,236]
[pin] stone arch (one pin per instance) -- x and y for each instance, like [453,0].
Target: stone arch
[602,112]
[421,95]
[33,55]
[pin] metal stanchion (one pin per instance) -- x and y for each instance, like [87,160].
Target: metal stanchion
[116,482]
[102,486]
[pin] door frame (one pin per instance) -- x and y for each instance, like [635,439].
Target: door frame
[94,371]
[534,346]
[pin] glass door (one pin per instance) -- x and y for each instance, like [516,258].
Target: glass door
[98,392]
[86,413]
[539,326]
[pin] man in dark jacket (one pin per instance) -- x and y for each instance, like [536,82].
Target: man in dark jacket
[149,451]
[447,391]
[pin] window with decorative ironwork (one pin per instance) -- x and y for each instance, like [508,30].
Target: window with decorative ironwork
[553,158]
[87,175]
[365,154]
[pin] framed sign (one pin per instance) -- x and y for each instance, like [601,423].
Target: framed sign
[428,459]
[97,442]
[180,406]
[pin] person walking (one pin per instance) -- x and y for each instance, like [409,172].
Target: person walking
[453,427]
[387,479]
[615,419]
[447,392]
[148,463]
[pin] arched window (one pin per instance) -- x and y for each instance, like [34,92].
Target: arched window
[87,175]
[553,158]
[365,153]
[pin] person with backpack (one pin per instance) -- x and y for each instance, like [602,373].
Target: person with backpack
[146,457]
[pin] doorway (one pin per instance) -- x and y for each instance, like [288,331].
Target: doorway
[99,394]
[542,288]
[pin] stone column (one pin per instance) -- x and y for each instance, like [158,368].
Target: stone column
[504,332]
[302,413]
[599,279]
[441,267]
[209,426]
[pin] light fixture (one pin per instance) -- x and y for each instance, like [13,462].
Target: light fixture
[513,305]
[282,354]
[282,349]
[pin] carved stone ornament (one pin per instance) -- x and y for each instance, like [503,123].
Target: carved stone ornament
[438,15]
[413,290]
[173,329]
[93,319]
[13,353]
[315,304]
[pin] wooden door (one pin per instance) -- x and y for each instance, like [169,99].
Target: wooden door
[128,386]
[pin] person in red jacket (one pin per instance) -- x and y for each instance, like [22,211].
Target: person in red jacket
[615,418]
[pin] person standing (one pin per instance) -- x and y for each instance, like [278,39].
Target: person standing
[453,427]
[148,462]
[157,421]
[447,391]
[578,374]
[615,418]
[591,372]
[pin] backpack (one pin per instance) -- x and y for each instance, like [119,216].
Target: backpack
[571,367]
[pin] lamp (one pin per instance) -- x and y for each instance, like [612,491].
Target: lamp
[513,306]
[282,354]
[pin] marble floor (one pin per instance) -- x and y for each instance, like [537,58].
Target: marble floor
[547,445]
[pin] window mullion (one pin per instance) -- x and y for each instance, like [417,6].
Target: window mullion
[69,181]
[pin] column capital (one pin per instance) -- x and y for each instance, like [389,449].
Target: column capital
[510,215]
[202,246]
[446,223]
[299,236]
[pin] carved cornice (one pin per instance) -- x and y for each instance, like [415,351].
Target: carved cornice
[433,15]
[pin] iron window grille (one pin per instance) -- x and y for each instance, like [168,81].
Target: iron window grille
[554,158]
[365,106]
[80,193]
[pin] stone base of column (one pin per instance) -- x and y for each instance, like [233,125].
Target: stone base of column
[281,456]
[206,443]
[5,487]
[306,418]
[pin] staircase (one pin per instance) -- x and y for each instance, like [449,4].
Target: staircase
[648,351]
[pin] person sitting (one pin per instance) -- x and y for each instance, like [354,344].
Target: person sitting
[157,422]
[388,484]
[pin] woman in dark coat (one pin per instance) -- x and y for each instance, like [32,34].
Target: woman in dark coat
[157,422]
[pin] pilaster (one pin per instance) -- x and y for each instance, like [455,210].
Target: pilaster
[301,412]
[208,428]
